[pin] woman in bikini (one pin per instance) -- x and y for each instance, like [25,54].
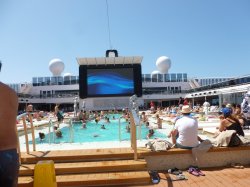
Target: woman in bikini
[230,122]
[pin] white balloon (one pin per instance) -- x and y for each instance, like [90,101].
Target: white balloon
[56,66]
[163,64]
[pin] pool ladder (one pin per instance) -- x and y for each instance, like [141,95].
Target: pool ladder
[139,132]
[71,132]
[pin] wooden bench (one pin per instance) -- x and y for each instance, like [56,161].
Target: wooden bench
[183,158]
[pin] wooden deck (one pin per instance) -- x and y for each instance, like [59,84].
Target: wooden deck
[109,167]
[228,177]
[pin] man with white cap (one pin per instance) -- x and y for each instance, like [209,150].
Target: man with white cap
[187,129]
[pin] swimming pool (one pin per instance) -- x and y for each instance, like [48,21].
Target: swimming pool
[94,133]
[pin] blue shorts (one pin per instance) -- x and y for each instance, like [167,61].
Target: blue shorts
[9,167]
[182,146]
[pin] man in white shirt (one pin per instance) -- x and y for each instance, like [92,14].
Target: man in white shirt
[187,130]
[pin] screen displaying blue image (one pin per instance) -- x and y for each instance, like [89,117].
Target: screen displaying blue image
[113,81]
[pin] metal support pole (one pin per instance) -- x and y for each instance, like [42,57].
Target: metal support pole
[120,138]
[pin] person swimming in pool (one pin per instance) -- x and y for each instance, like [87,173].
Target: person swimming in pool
[150,133]
[41,136]
[84,126]
[58,132]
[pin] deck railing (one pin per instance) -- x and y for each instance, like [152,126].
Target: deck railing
[133,135]
[23,117]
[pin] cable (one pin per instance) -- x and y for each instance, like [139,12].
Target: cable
[110,44]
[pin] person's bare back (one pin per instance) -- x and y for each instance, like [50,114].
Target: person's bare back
[8,113]
[9,162]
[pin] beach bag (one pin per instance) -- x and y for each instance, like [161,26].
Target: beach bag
[234,141]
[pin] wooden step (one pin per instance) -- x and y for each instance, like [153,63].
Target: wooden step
[78,155]
[96,179]
[90,167]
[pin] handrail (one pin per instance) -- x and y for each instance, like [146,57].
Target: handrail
[26,134]
[32,131]
[120,138]
[18,147]
[23,117]
[71,135]
[139,133]
[133,135]
[50,125]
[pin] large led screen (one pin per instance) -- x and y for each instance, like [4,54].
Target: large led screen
[110,80]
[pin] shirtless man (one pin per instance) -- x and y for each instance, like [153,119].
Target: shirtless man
[158,121]
[9,164]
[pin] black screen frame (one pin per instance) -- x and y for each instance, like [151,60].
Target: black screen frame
[83,82]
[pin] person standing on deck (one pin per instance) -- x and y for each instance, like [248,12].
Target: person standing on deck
[9,164]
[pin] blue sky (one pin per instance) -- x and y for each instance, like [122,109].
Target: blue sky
[204,38]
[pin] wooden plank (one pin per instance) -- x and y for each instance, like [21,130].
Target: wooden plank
[102,179]
[108,151]
[89,167]
[207,180]
[238,176]
[25,182]
[214,177]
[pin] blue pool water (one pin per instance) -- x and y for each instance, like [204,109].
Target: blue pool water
[94,133]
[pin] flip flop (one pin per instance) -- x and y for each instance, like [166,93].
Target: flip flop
[193,171]
[155,178]
[179,177]
[199,172]
[237,165]
[175,171]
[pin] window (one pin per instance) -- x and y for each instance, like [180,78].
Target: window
[173,77]
[167,78]
[179,77]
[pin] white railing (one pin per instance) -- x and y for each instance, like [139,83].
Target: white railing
[71,131]
[23,117]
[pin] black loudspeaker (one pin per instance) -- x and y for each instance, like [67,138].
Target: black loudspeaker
[138,79]
[83,92]
[111,51]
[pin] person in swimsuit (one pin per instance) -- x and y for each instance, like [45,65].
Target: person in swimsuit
[150,133]
[230,122]
[58,114]
[9,164]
